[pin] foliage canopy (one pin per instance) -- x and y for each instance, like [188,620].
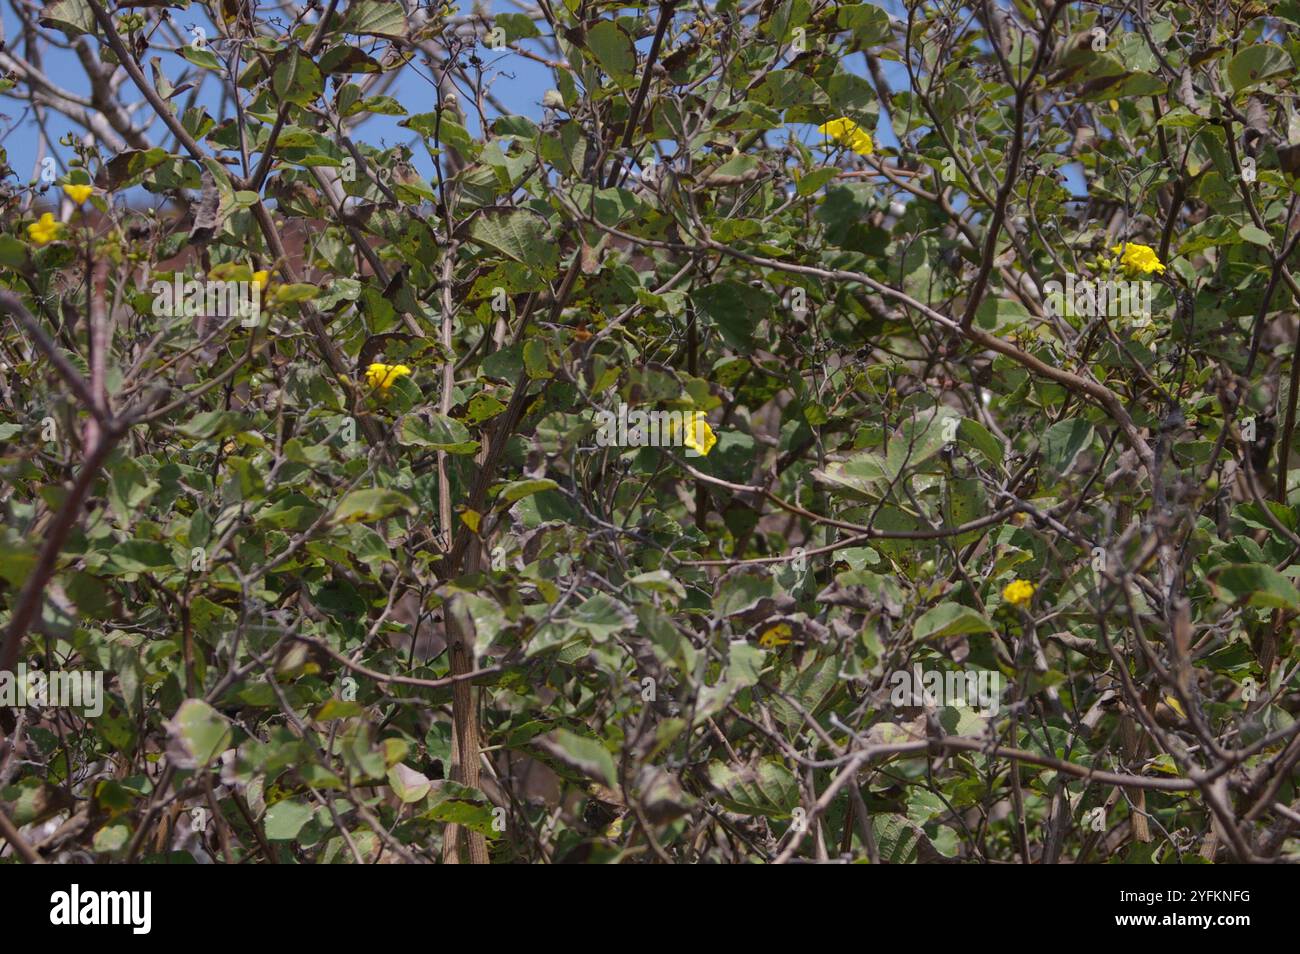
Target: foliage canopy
[987,315]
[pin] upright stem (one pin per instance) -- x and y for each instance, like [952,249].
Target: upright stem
[30,599]
[465,743]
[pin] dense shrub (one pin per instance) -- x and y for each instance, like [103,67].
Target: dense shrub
[800,430]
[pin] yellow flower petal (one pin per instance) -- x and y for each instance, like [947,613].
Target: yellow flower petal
[78,193]
[1138,259]
[848,133]
[1018,592]
[776,636]
[383,376]
[699,437]
[45,229]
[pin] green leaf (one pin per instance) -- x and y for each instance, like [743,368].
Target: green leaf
[743,591]
[852,96]
[213,424]
[13,253]
[518,26]
[920,439]
[765,788]
[978,436]
[521,235]
[735,308]
[782,89]
[537,360]
[31,800]
[1256,63]
[744,667]
[376,18]
[1064,441]
[437,432]
[808,688]
[814,180]
[1126,86]
[859,474]
[73,17]
[966,502]
[348,59]
[1256,235]
[382,106]
[141,556]
[516,127]
[735,167]
[483,407]
[363,506]
[585,755]
[610,206]
[204,58]
[1000,315]
[295,78]
[613,51]
[196,735]
[602,616]
[519,489]
[459,804]
[898,840]
[950,619]
[869,23]
[844,211]
[285,819]
[112,837]
[129,489]
[659,581]
[1259,585]
[407,784]
[17,557]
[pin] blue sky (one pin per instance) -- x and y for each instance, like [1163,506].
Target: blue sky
[518,83]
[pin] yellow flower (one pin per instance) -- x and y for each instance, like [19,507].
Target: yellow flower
[45,230]
[1018,592]
[78,193]
[1138,259]
[699,437]
[776,637]
[848,133]
[384,375]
